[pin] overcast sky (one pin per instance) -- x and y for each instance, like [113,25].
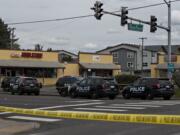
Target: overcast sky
[86,34]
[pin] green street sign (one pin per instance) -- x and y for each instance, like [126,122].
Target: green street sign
[135,27]
[171,67]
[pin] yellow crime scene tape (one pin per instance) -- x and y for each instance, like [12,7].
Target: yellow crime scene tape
[112,117]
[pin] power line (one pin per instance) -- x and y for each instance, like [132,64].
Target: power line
[84,16]
[51,20]
[147,6]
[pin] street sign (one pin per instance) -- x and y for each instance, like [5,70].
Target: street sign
[135,27]
[170,67]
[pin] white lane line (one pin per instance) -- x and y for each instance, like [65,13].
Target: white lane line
[62,106]
[149,103]
[121,107]
[133,105]
[83,101]
[34,118]
[99,109]
[4,113]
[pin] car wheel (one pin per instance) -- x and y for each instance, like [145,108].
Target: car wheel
[94,95]
[36,93]
[64,93]
[126,95]
[112,97]
[12,92]
[20,92]
[73,94]
[150,96]
[167,97]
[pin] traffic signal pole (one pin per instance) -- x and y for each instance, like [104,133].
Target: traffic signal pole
[169,36]
[168,29]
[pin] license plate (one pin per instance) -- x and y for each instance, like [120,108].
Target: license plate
[15,86]
[31,84]
[112,87]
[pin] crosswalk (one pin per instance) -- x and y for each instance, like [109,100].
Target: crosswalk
[95,106]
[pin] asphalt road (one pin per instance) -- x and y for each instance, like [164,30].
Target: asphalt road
[50,100]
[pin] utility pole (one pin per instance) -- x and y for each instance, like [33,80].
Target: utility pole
[12,37]
[142,54]
[169,36]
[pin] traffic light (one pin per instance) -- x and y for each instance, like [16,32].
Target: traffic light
[124,16]
[98,10]
[153,24]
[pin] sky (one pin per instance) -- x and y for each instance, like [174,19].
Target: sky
[87,34]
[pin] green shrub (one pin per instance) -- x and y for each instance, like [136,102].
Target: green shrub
[176,78]
[125,79]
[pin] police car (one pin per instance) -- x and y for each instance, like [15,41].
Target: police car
[148,88]
[64,84]
[95,87]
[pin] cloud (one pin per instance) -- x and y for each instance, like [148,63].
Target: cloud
[113,31]
[58,40]
[90,46]
[176,17]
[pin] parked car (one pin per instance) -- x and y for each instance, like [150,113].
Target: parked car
[64,84]
[7,82]
[148,88]
[95,87]
[25,85]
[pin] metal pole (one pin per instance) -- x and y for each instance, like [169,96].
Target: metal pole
[169,74]
[169,38]
[142,54]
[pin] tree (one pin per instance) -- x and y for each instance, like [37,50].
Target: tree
[7,41]
[38,47]
[176,78]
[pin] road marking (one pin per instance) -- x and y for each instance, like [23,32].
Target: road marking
[135,105]
[121,107]
[99,109]
[62,106]
[151,103]
[4,113]
[34,118]
[83,101]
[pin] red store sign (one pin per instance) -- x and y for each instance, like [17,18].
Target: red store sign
[27,55]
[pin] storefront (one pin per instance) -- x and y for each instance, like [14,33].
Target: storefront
[92,64]
[42,65]
[161,68]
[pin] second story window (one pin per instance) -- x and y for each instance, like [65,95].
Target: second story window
[130,55]
[145,64]
[145,54]
[130,65]
[115,57]
[153,54]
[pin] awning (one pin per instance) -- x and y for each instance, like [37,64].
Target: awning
[30,64]
[100,66]
[164,66]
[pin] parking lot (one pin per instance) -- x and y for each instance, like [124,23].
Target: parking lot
[49,99]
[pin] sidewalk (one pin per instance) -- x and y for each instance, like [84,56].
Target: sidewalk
[8,127]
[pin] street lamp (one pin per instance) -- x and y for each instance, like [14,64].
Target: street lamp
[142,54]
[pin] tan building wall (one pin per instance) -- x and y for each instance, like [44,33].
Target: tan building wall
[95,58]
[15,54]
[46,57]
[71,69]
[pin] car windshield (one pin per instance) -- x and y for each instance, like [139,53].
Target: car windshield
[30,80]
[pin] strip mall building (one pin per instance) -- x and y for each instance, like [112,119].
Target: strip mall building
[42,65]
[46,66]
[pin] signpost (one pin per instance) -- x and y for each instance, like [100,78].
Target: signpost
[170,70]
[171,67]
[135,27]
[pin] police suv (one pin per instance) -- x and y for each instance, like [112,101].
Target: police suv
[95,87]
[148,88]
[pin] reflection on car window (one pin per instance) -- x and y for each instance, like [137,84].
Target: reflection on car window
[137,82]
